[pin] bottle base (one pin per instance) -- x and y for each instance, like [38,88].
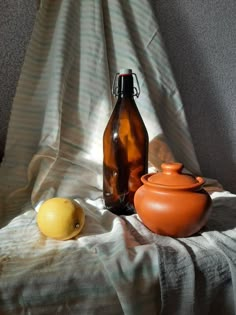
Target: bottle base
[127,209]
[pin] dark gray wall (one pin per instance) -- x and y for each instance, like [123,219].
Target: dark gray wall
[200,38]
[16,22]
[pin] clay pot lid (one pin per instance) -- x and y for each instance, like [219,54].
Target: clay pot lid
[172,176]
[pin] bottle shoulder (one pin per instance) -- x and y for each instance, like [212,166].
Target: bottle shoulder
[125,116]
[126,105]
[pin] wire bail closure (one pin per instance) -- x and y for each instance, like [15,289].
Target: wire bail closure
[136,91]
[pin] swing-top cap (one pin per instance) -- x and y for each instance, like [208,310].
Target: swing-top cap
[125,71]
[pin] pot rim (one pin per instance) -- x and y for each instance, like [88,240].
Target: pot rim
[194,186]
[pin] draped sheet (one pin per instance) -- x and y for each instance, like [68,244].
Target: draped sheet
[54,148]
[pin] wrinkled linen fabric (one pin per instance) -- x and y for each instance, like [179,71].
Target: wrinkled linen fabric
[54,148]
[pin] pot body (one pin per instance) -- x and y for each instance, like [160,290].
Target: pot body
[172,212]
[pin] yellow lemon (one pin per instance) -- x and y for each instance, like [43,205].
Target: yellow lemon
[60,218]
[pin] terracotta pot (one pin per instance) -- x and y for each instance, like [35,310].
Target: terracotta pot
[172,203]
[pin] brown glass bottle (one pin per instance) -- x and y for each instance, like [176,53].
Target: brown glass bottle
[125,149]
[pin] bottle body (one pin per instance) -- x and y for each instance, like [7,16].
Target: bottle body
[125,149]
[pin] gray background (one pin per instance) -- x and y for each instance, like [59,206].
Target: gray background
[200,38]
[16,23]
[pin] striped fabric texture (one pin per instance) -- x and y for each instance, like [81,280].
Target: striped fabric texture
[63,99]
[54,148]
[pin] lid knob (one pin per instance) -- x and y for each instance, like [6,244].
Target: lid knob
[171,168]
[172,176]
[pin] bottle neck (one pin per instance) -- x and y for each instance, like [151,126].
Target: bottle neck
[125,86]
